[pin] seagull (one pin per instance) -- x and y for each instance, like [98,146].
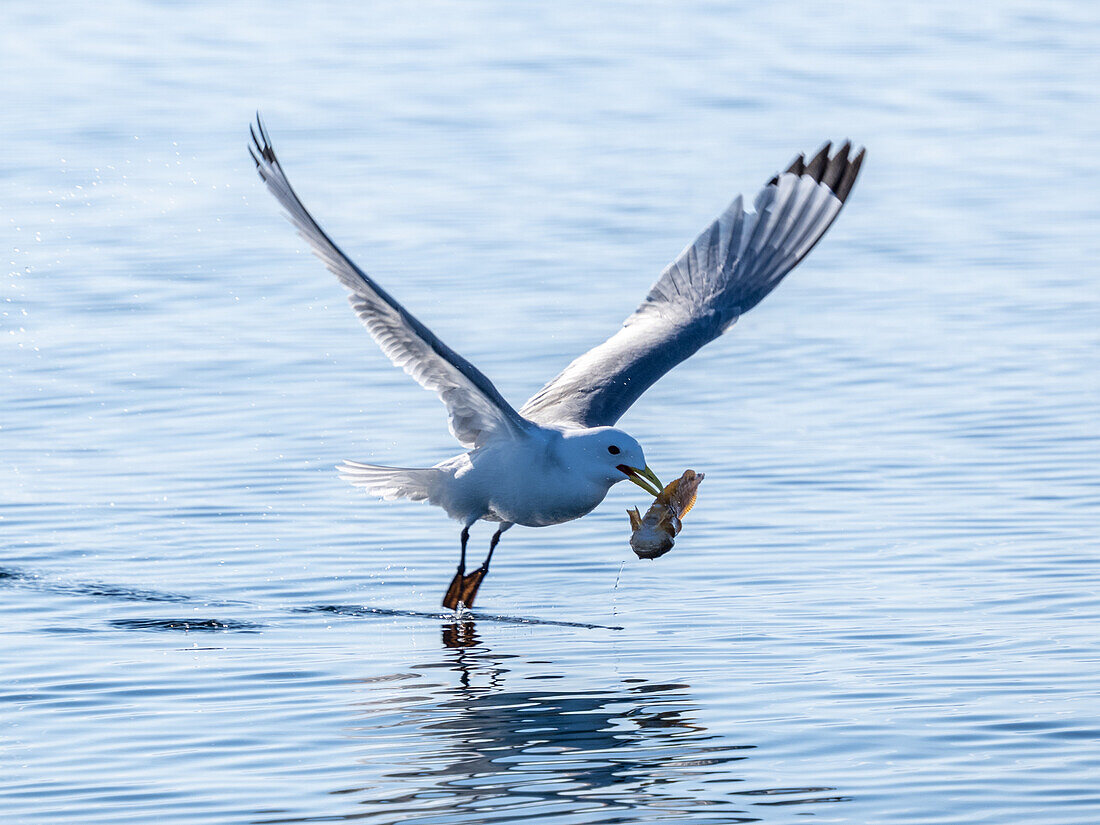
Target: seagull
[556,458]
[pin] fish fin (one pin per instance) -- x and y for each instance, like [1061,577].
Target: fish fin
[688,491]
[635,518]
[668,494]
[685,508]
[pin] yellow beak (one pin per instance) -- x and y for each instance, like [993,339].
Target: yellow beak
[646,479]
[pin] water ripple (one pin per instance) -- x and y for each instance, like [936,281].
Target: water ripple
[884,606]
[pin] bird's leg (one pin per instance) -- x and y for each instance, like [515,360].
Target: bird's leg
[463,589]
[493,546]
[465,536]
[453,596]
[472,582]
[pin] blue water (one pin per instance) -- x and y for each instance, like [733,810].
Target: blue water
[885,607]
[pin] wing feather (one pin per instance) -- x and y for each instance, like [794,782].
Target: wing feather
[474,406]
[728,270]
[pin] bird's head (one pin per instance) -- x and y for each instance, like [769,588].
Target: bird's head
[611,456]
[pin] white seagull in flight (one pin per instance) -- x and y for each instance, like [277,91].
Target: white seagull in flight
[556,458]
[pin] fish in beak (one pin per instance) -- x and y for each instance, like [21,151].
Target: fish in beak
[653,534]
[646,479]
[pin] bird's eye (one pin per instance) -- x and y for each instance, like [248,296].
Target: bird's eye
[614,450]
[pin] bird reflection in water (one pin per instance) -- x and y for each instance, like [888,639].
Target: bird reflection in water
[527,750]
[460,635]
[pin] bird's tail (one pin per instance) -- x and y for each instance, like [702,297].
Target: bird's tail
[414,484]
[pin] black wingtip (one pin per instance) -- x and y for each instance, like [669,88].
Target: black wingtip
[261,143]
[263,131]
[816,167]
[834,169]
[848,178]
[838,172]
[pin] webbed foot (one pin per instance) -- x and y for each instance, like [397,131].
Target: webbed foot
[463,588]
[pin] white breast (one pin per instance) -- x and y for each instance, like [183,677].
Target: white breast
[523,484]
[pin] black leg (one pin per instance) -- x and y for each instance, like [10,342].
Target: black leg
[463,589]
[462,555]
[493,546]
[454,595]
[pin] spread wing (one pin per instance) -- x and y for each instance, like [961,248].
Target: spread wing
[475,407]
[728,270]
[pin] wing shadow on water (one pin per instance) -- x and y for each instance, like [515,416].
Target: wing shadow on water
[488,744]
[468,616]
[187,625]
[15,577]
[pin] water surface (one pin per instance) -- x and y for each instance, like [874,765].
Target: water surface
[884,608]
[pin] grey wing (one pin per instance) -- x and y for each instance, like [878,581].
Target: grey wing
[728,270]
[475,407]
